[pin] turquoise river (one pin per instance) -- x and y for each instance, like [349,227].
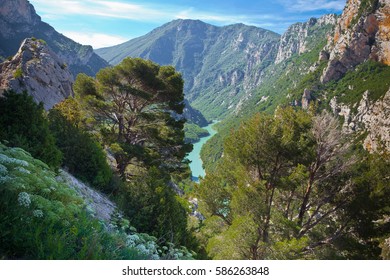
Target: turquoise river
[196,162]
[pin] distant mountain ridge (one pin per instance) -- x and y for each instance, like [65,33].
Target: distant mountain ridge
[218,63]
[18,21]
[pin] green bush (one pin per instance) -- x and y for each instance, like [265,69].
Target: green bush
[83,156]
[18,73]
[23,124]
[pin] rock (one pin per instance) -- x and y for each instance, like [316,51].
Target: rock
[306,98]
[376,119]
[18,21]
[372,117]
[359,35]
[39,71]
[100,206]
[324,56]
[294,40]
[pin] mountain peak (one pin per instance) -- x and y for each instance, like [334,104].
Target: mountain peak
[39,71]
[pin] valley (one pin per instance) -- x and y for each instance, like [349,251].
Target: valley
[114,153]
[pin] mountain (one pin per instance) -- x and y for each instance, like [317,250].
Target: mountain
[361,33]
[39,71]
[18,20]
[218,64]
[344,70]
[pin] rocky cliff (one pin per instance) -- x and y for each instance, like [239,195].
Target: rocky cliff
[297,39]
[372,117]
[38,70]
[362,32]
[18,20]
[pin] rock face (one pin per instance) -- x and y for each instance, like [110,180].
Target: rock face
[373,117]
[18,21]
[295,39]
[100,206]
[362,32]
[39,71]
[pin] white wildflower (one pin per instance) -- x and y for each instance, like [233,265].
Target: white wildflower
[3,170]
[38,213]
[22,170]
[24,199]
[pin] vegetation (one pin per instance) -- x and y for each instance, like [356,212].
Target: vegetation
[193,132]
[23,124]
[18,73]
[131,109]
[132,104]
[82,155]
[55,221]
[287,189]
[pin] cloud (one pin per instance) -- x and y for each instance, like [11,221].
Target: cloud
[109,9]
[97,40]
[312,5]
[140,12]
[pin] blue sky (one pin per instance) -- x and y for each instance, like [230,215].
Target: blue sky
[103,23]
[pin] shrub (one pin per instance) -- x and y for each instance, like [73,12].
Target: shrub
[23,124]
[83,156]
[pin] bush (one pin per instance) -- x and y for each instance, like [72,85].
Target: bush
[23,124]
[83,156]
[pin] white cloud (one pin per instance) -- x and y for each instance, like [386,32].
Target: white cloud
[137,12]
[96,40]
[313,5]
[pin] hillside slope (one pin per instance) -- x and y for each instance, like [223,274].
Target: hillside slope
[218,64]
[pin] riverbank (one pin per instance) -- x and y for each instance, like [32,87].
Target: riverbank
[196,164]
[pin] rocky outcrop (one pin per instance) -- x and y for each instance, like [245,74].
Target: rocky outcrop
[18,21]
[362,32]
[39,71]
[306,99]
[373,117]
[295,39]
[98,205]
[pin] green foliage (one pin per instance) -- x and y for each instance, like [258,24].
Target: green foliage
[82,156]
[369,210]
[278,193]
[369,76]
[152,206]
[44,219]
[23,124]
[18,73]
[132,104]
[194,132]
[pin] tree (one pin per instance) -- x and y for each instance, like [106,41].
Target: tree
[286,178]
[82,155]
[133,104]
[23,124]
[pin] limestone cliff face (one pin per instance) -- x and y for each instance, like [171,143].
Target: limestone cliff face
[373,117]
[18,21]
[362,32]
[39,71]
[295,39]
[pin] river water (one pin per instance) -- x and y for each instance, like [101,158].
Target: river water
[196,163]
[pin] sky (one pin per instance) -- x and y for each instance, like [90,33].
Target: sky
[103,23]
